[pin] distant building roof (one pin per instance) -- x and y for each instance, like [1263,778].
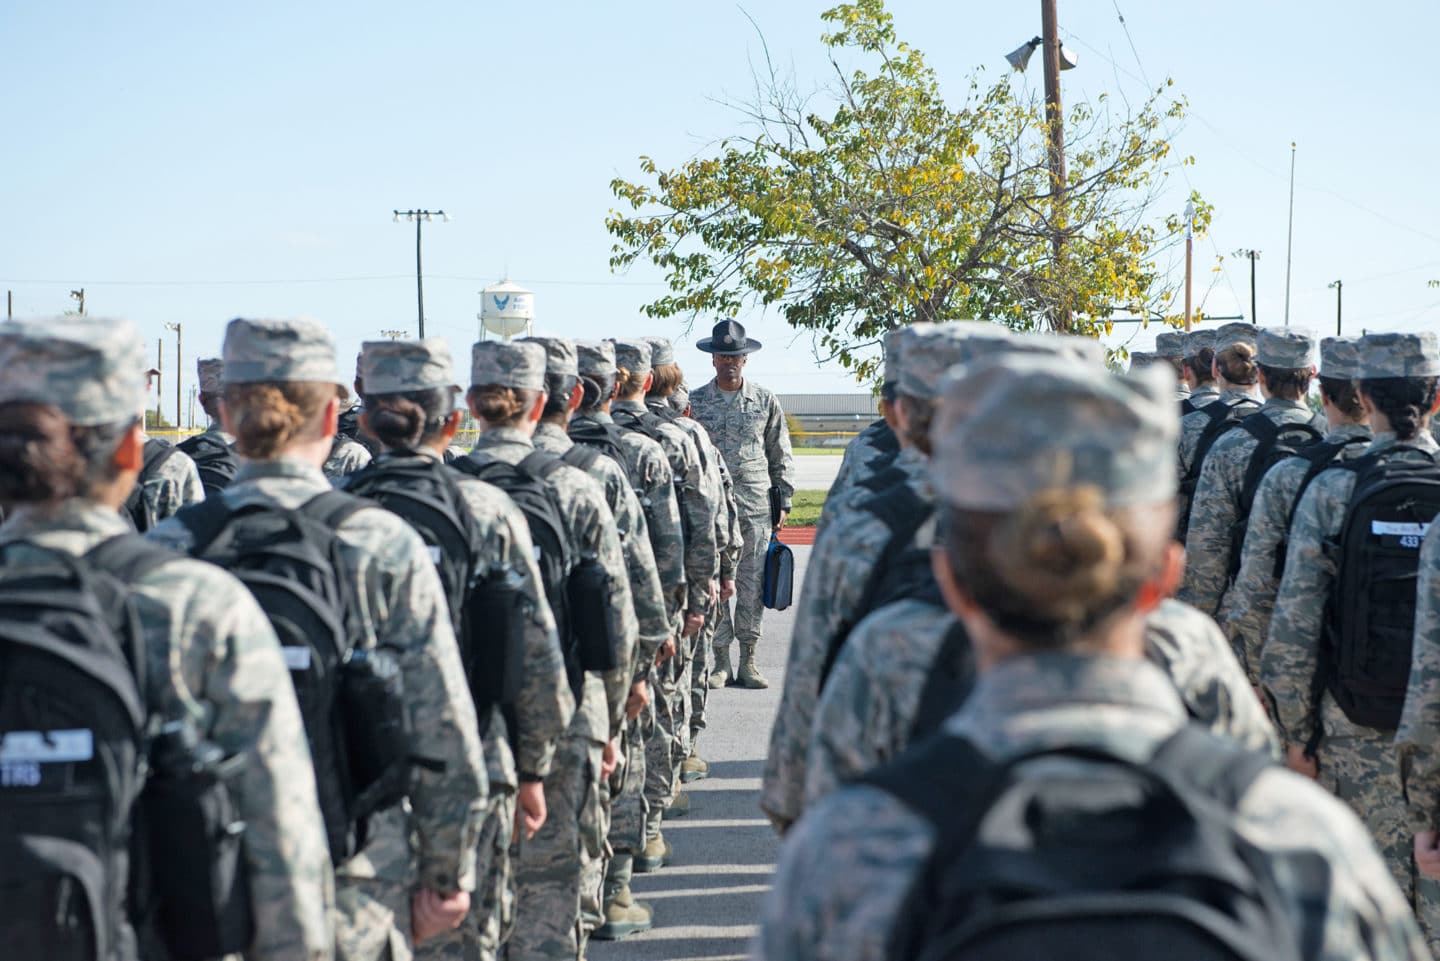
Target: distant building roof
[810,405]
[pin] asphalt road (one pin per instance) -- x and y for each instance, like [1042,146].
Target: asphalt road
[708,899]
[816,471]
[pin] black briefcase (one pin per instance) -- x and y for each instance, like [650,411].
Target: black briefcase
[779,583]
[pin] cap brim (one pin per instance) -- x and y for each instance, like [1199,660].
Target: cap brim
[708,346]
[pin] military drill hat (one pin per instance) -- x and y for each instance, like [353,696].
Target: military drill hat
[1399,355]
[91,368]
[282,350]
[210,371]
[401,366]
[595,358]
[518,365]
[728,339]
[662,352]
[1171,343]
[1340,358]
[633,355]
[561,359]
[1198,340]
[1288,348]
[1011,427]
[933,349]
[1236,333]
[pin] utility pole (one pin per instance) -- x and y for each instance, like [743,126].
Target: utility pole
[1338,286]
[159,375]
[179,378]
[194,389]
[392,334]
[1189,250]
[1055,122]
[9,305]
[1254,255]
[419,216]
[1290,240]
[79,295]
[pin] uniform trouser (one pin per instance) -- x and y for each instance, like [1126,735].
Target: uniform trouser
[661,768]
[1363,771]
[372,895]
[549,866]
[743,624]
[627,812]
[492,905]
[683,709]
[700,667]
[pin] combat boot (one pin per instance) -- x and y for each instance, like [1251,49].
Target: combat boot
[694,767]
[679,805]
[749,676]
[655,856]
[721,674]
[624,915]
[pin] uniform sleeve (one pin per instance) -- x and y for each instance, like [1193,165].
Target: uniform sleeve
[1247,607]
[777,453]
[652,620]
[600,538]
[700,556]
[226,667]
[735,539]
[852,720]
[412,618]
[1292,649]
[666,540]
[1212,517]
[1418,739]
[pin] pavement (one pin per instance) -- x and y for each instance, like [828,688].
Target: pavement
[707,901]
[816,471]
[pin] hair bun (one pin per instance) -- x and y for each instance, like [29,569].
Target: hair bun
[1060,551]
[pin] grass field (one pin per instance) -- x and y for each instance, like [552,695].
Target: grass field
[805,508]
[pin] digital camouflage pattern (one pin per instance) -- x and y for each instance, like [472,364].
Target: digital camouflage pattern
[861,456]
[346,457]
[210,372]
[1340,357]
[401,366]
[517,364]
[1288,348]
[212,657]
[259,351]
[1418,739]
[847,867]
[403,608]
[1170,343]
[1216,507]
[1237,332]
[1193,425]
[1358,763]
[905,466]
[1399,355]
[1246,607]
[169,485]
[90,368]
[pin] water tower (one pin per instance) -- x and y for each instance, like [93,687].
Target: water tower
[506,309]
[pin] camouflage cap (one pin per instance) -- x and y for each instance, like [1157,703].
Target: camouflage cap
[91,368]
[1198,340]
[930,350]
[895,341]
[1399,355]
[284,350]
[210,371]
[398,366]
[679,400]
[1288,348]
[633,355]
[516,364]
[662,352]
[1170,343]
[560,356]
[595,358]
[1075,346]
[1140,359]
[1011,427]
[1340,358]
[1236,333]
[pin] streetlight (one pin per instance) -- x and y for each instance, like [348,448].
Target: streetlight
[419,217]
[1338,286]
[1056,59]
[392,334]
[179,376]
[1254,255]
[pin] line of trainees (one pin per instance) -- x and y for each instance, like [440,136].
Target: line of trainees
[318,684]
[1102,665]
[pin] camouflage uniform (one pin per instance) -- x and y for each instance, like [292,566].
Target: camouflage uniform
[211,654]
[867,711]
[848,866]
[860,454]
[749,429]
[1193,425]
[551,866]
[346,457]
[173,483]
[1418,739]
[403,609]
[1247,606]
[1357,763]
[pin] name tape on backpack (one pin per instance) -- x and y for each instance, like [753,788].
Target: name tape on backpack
[296,658]
[47,747]
[1398,528]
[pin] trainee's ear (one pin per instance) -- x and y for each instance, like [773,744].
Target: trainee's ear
[577,394]
[649,381]
[330,420]
[452,426]
[130,452]
[537,409]
[1166,581]
[956,599]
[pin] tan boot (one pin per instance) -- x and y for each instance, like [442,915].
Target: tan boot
[749,675]
[693,768]
[722,673]
[655,856]
[624,915]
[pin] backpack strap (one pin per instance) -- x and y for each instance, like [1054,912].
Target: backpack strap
[945,688]
[333,507]
[581,456]
[1194,758]
[127,558]
[204,520]
[539,463]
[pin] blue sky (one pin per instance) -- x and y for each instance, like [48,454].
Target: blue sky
[193,162]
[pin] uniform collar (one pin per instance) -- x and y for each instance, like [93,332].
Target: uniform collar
[1421,441]
[1280,403]
[634,406]
[214,428]
[555,433]
[1347,431]
[495,436]
[284,467]
[1231,394]
[77,515]
[747,390]
[598,416]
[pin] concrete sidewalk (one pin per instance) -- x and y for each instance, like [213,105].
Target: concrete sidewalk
[708,900]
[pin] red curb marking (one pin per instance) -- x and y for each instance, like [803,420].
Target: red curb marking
[797,536]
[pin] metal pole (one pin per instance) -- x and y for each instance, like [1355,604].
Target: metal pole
[419,283]
[1253,314]
[1290,240]
[160,376]
[1339,286]
[179,380]
[9,304]
[1055,122]
[1189,248]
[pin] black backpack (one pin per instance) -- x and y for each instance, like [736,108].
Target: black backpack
[1223,418]
[901,572]
[486,607]
[947,685]
[214,459]
[605,438]
[1274,443]
[135,509]
[351,699]
[581,457]
[1133,861]
[1369,621]
[75,747]
[1318,458]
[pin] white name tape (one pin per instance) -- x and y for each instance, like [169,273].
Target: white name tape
[47,747]
[1398,528]
[296,658]
[435,555]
